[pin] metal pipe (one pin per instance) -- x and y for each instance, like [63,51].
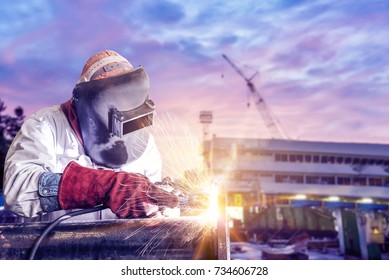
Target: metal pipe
[166,238]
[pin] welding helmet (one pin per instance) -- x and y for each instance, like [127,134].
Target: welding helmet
[112,103]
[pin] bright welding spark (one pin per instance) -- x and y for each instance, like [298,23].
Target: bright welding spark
[211,190]
[183,163]
[213,207]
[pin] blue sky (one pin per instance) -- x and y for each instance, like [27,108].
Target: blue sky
[323,65]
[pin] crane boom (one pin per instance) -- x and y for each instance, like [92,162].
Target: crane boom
[259,103]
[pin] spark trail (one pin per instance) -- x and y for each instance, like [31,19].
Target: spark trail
[184,166]
[182,160]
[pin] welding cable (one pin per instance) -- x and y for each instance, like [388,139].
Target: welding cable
[57,222]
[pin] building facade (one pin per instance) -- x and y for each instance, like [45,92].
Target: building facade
[326,171]
[328,189]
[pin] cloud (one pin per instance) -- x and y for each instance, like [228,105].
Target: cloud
[162,12]
[322,64]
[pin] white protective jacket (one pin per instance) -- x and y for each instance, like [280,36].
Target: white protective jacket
[47,143]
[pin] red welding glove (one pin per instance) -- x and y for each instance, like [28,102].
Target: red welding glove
[128,195]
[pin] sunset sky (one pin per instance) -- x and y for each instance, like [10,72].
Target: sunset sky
[323,65]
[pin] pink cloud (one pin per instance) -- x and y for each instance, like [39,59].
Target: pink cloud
[315,70]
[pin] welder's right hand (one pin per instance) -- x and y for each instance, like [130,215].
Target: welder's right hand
[128,195]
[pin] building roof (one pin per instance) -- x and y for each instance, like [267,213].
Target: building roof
[280,145]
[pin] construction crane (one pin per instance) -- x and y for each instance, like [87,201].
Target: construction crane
[268,119]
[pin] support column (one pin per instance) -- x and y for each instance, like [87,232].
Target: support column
[361,223]
[337,213]
[223,231]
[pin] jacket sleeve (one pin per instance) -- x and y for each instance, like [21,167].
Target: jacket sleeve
[31,153]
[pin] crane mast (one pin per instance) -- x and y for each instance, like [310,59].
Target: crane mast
[259,103]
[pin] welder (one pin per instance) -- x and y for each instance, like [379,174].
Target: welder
[94,149]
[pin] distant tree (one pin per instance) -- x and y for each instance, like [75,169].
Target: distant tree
[2,109]
[9,127]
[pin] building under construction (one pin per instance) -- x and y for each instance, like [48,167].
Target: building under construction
[278,188]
